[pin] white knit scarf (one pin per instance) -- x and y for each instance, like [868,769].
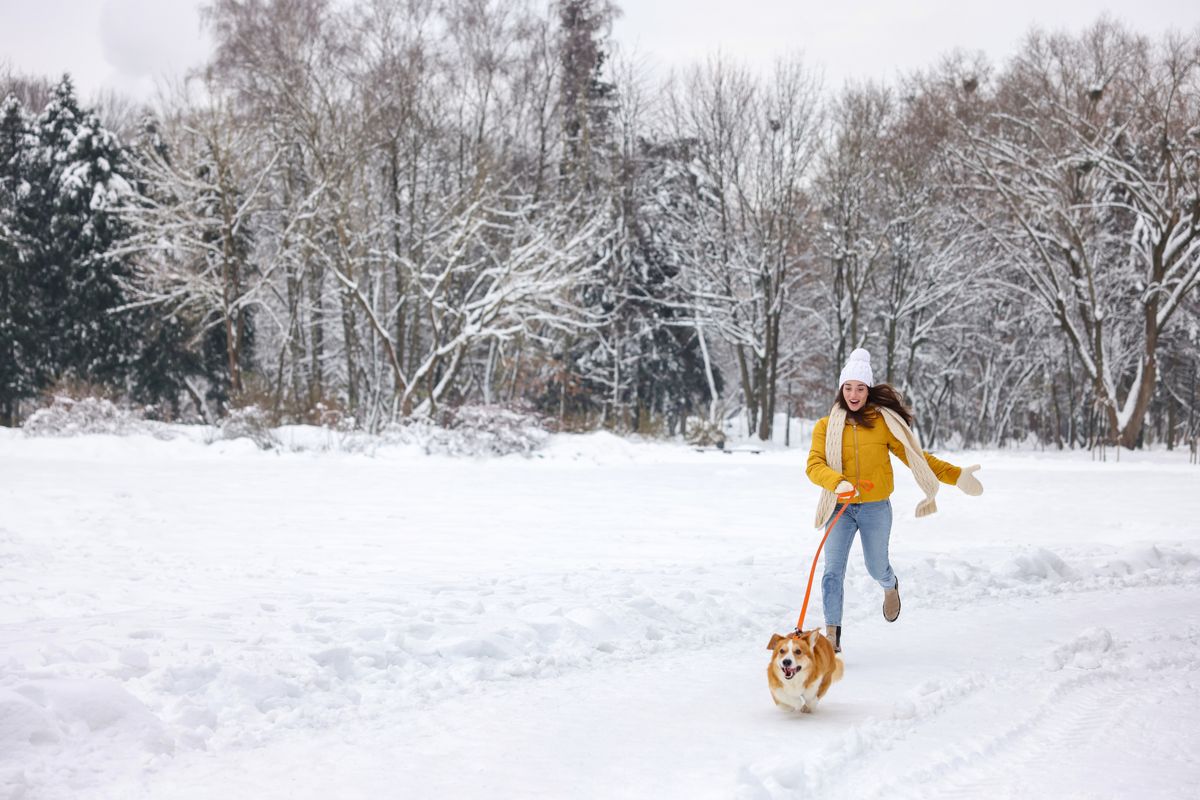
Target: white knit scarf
[912,451]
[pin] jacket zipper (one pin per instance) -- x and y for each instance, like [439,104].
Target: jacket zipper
[857,462]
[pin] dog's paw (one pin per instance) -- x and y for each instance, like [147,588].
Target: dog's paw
[805,709]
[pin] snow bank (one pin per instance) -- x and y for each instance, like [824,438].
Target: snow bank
[57,734]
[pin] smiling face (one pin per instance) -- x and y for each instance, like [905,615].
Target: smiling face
[855,394]
[791,654]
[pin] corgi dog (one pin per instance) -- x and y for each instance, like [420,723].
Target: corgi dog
[803,667]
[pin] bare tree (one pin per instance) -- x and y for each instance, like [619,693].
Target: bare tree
[195,222]
[753,147]
[1085,157]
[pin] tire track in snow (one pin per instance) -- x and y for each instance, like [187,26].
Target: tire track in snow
[1066,718]
[1097,713]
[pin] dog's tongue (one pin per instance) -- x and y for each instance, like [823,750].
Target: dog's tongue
[788,672]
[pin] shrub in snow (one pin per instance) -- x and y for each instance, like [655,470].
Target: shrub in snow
[249,423]
[332,417]
[474,431]
[703,433]
[70,417]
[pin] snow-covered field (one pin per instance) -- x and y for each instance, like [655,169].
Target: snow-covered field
[192,620]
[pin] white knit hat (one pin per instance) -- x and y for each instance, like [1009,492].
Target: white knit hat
[858,368]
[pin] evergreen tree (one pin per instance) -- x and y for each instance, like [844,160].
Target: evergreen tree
[17,380]
[65,300]
[79,186]
[641,357]
[583,364]
[647,359]
[670,375]
[587,99]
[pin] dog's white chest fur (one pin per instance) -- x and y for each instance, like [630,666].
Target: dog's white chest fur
[792,694]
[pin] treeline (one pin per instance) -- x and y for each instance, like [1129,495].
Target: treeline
[390,208]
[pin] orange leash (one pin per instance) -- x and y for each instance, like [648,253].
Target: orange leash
[845,499]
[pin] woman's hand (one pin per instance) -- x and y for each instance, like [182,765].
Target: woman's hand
[844,487]
[968,482]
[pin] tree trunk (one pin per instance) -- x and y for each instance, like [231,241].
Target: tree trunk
[748,391]
[316,382]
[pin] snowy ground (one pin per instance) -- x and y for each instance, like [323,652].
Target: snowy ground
[191,620]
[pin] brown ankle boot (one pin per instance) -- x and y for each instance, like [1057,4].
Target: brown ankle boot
[891,602]
[834,634]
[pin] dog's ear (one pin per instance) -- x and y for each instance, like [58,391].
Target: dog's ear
[822,652]
[775,639]
[824,646]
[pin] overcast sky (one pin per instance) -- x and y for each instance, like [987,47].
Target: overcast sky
[127,44]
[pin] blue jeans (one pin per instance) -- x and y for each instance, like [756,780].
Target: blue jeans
[874,522]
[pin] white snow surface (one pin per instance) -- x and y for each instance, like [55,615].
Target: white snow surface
[189,618]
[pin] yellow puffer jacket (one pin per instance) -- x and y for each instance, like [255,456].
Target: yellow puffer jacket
[865,457]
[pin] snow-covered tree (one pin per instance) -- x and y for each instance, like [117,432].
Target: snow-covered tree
[64,312]
[192,235]
[752,144]
[18,379]
[1085,159]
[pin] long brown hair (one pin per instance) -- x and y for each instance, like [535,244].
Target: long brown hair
[881,394]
